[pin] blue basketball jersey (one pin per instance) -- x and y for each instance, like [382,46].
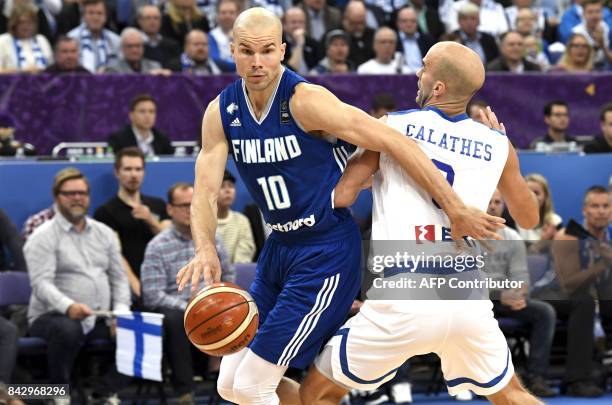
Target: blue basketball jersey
[290,174]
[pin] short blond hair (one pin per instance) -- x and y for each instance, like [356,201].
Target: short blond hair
[69,173]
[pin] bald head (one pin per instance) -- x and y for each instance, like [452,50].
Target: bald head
[458,67]
[258,21]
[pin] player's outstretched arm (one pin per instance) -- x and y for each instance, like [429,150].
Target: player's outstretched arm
[317,109]
[359,170]
[520,200]
[209,169]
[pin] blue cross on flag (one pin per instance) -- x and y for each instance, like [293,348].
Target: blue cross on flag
[139,344]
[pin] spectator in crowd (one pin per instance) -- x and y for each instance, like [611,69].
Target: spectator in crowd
[233,227]
[180,18]
[474,107]
[382,104]
[43,17]
[320,18]
[508,261]
[574,16]
[9,146]
[596,31]
[74,263]
[141,131]
[428,18]
[387,61]
[602,143]
[492,17]
[389,8]
[581,270]
[66,57]
[480,42]
[512,55]
[361,36]
[157,47]
[534,14]
[578,56]
[220,37]
[136,217]
[195,59]
[557,118]
[412,43]
[165,255]
[132,59]
[302,52]
[97,45]
[549,219]
[534,52]
[336,54]
[22,49]
[11,248]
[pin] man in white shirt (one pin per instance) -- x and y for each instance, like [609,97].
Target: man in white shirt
[595,29]
[492,17]
[220,37]
[97,45]
[386,60]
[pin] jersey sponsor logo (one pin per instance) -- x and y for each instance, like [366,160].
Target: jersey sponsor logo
[232,108]
[462,146]
[431,233]
[293,225]
[236,123]
[269,150]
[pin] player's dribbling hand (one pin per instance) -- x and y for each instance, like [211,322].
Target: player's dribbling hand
[470,221]
[205,264]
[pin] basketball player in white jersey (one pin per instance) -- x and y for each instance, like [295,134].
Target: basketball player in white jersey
[368,349]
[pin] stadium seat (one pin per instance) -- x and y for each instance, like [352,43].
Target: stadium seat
[245,274]
[15,289]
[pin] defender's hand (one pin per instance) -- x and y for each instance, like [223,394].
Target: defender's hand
[470,221]
[488,118]
[205,264]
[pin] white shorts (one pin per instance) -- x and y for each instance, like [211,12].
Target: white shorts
[367,351]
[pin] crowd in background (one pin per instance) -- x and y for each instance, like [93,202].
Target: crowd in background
[366,37]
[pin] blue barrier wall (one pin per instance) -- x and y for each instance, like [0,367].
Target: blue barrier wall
[26,185]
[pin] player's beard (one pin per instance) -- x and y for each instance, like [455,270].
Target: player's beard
[423,96]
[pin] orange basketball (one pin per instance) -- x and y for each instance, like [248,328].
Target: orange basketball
[221,319]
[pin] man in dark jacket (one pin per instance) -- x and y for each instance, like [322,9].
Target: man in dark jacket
[141,131]
[480,42]
[512,49]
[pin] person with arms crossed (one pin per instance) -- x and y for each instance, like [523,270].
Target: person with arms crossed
[276,124]
[369,348]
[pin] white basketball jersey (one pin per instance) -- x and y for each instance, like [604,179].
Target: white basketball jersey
[471,157]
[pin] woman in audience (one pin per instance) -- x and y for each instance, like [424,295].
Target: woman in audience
[539,237]
[578,56]
[181,17]
[22,49]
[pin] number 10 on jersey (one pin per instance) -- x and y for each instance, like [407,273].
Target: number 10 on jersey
[275,192]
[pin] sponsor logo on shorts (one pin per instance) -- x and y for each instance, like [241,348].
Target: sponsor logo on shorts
[432,233]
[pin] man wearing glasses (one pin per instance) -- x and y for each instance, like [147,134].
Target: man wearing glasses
[556,117]
[74,263]
[165,255]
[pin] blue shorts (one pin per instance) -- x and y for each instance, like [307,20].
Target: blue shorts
[304,293]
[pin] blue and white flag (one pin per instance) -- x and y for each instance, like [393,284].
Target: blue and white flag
[139,344]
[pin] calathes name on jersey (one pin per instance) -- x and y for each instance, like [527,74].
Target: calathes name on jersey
[457,144]
[271,150]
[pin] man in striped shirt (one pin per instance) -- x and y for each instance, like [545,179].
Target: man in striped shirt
[165,255]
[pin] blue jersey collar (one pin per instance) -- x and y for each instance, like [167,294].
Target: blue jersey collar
[456,118]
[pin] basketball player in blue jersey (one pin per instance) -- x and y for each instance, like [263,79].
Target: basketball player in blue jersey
[369,348]
[276,126]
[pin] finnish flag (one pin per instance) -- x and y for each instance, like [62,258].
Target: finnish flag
[139,344]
